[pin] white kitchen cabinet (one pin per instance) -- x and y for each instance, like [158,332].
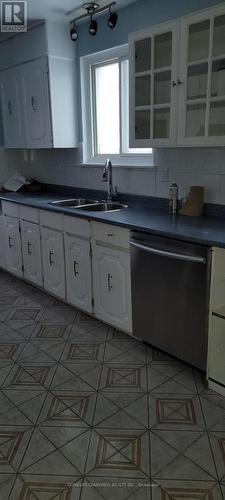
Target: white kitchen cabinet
[78,272]
[153,55]
[2,248]
[36,104]
[31,249]
[38,93]
[12,108]
[25,103]
[177,82]
[216,341]
[217,349]
[202,75]
[111,286]
[12,241]
[53,261]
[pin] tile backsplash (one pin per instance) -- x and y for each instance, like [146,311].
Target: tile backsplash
[186,166]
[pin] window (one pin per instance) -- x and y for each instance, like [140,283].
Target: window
[105,109]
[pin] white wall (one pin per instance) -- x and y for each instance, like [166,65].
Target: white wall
[186,166]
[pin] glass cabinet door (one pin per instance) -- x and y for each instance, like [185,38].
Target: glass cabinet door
[202,89]
[153,68]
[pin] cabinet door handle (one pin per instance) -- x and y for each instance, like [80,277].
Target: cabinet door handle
[33,103]
[176,82]
[29,248]
[10,107]
[51,254]
[109,277]
[11,241]
[75,268]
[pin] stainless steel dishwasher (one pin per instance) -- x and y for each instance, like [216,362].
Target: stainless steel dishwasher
[170,295]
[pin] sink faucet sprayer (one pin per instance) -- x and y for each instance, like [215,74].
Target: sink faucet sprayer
[107,177]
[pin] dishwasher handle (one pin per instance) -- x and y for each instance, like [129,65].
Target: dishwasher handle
[170,255]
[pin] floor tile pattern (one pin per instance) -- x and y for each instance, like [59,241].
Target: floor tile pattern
[87,412]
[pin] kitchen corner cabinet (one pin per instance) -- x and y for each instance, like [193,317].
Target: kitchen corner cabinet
[187,88]
[12,240]
[111,276]
[53,261]
[31,249]
[216,346]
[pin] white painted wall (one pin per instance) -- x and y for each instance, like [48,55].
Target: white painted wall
[186,166]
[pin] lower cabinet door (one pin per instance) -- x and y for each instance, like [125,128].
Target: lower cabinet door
[53,262]
[78,272]
[112,287]
[31,248]
[2,248]
[216,368]
[13,252]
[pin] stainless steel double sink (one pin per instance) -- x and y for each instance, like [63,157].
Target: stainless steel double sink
[89,205]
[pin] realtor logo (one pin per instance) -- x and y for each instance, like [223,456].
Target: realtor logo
[13,16]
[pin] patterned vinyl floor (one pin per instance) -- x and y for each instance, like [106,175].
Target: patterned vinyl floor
[88,413]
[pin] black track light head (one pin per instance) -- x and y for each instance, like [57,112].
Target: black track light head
[113,17]
[73,33]
[93,9]
[93,28]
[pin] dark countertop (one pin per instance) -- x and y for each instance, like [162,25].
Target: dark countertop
[205,230]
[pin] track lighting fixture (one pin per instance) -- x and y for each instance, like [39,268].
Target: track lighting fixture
[93,28]
[73,32]
[92,10]
[112,19]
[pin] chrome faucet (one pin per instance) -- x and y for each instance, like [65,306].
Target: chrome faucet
[107,177]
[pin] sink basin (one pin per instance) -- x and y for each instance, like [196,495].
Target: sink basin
[72,203]
[103,207]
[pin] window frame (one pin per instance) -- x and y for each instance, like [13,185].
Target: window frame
[86,68]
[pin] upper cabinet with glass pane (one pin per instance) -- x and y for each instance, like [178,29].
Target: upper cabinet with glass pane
[177,82]
[202,73]
[153,76]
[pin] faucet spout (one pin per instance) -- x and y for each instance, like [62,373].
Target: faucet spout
[107,177]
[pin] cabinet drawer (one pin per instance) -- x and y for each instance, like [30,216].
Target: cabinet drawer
[112,235]
[80,227]
[29,214]
[10,209]
[50,219]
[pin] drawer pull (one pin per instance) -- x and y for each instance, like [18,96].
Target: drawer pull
[33,103]
[75,268]
[110,234]
[10,107]
[11,242]
[29,248]
[51,254]
[109,278]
